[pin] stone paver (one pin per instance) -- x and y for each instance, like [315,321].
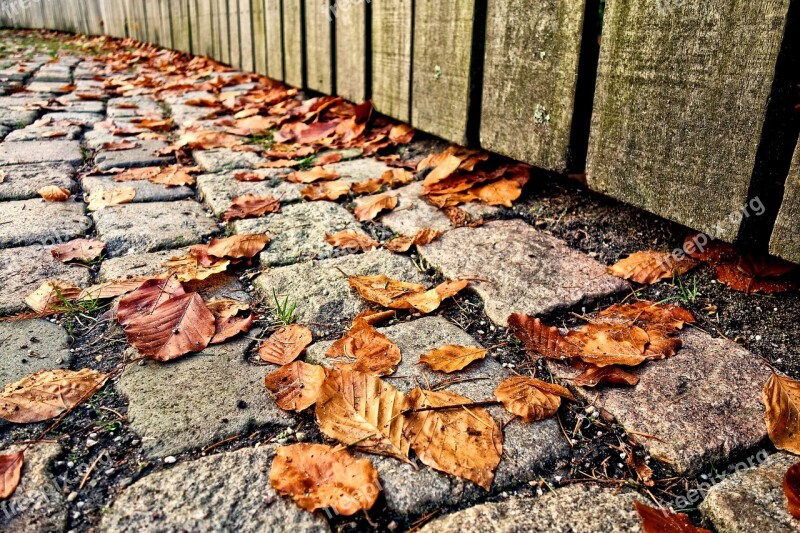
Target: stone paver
[37,506]
[149,227]
[23,270]
[21,182]
[135,265]
[145,105]
[82,119]
[17,117]
[36,221]
[38,133]
[145,191]
[752,499]
[520,269]
[57,87]
[143,155]
[298,231]
[224,159]
[219,190]
[700,406]
[14,153]
[29,346]
[358,170]
[320,289]
[528,449]
[198,400]
[225,492]
[575,509]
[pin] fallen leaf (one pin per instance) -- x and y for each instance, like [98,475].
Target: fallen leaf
[367,351]
[367,208]
[531,399]
[329,190]
[172,176]
[391,179]
[311,176]
[190,267]
[228,321]
[429,301]
[137,174]
[420,238]
[665,521]
[731,275]
[594,376]
[147,297]
[118,146]
[463,441]
[373,317]
[53,193]
[47,394]
[782,400]
[296,386]
[791,488]
[110,197]
[10,472]
[383,290]
[286,344]
[52,295]
[250,205]
[317,476]
[452,358]
[643,472]
[238,246]
[113,288]
[85,250]
[540,339]
[363,412]
[352,240]
[649,267]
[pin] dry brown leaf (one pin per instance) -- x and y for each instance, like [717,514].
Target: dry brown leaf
[791,488]
[137,174]
[540,339]
[383,290]
[367,208]
[352,240]
[47,394]
[238,246]
[594,376]
[391,179]
[172,176]
[317,476]
[665,521]
[363,412]
[149,295]
[732,275]
[110,197]
[51,296]
[250,205]
[367,351]
[118,146]
[181,325]
[191,268]
[420,238]
[84,250]
[329,190]
[53,193]
[10,472]
[310,176]
[649,267]
[429,301]
[643,472]
[228,321]
[296,386]
[462,441]
[373,317]
[113,288]
[286,344]
[452,358]
[531,399]
[782,399]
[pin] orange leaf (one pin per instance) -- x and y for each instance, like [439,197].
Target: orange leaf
[51,296]
[610,375]
[110,197]
[227,322]
[311,176]
[665,521]
[10,472]
[452,358]
[329,190]
[420,238]
[531,399]
[353,240]
[791,488]
[368,350]
[367,208]
[296,385]
[650,267]
[286,344]
[47,394]
[540,339]
[383,290]
[119,146]
[53,193]
[80,249]
[238,246]
[145,299]
[251,206]
[782,399]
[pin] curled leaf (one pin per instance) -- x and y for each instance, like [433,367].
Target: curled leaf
[352,240]
[594,376]
[250,205]
[329,190]
[110,197]
[53,193]
[367,350]
[52,296]
[78,249]
[531,399]
[296,385]
[238,246]
[367,208]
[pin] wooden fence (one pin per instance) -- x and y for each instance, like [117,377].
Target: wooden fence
[685,109]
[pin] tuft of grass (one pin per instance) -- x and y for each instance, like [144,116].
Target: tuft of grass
[75,310]
[264,141]
[688,294]
[306,163]
[284,312]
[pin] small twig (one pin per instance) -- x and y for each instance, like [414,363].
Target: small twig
[487,403]
[89,472]
[220,443]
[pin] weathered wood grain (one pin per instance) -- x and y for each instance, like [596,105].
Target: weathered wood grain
[319,41]
[441,67]
[391,57]
[246,36]
[224,52]
[180,26]
[785,240]
[259,37]
[235,34]
[530,75]
[274,21]
[351,50]
[137,22]
[203,34]
[293,64]
[681,98]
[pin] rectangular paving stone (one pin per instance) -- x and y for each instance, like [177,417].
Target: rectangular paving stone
[18,117]
[143,155]
[145,191]
[528,449]
[119,107]
[752,499]
[701,406]
[56,87]
[136,265]
[23,270]
[298,231]
[83,119]
[520,270]
[36,221]
[15,153]
[219,190]
[40,133]
[20,182]
[224,159]
[28,346]
[152,226]
[320,289]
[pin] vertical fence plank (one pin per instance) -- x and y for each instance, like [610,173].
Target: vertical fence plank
[259,37]
[216,30]
[166,23]
[441,67]
[246,34]
[235,39]
[682,94]
[351,50]
[391,57]
[274,22]
[530,76]
[136,27]
[785,240]
[293,42]
[181,33]
[224,32]
[319,39]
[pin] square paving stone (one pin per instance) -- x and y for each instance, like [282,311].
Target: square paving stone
[81,118]
[136,265]
[143,155]
[323,296]
[358,170]
[23,270]
[223,159]
[198,400]
[40,133]
[152,226]
[37,504]
[15,153]
[56,87]
[36,221]
[61,76]
[525,271]
[219,190]
[200,496]
[20,182]
[29,346]
[18,117]
[528,449]
[298,231]
[119,107]
[145,191]
[752,499]
[698,408]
